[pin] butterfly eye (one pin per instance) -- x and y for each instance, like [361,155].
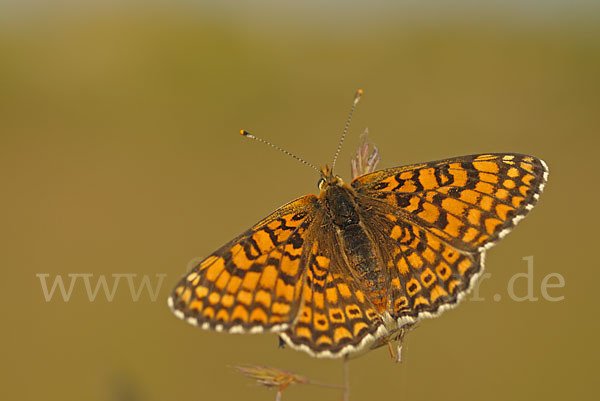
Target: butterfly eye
[321,183]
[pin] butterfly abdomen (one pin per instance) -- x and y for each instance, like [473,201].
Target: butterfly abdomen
[356,243]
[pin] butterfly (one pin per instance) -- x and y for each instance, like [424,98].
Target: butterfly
[334,272]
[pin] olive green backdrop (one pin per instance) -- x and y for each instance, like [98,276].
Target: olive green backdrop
[120,154]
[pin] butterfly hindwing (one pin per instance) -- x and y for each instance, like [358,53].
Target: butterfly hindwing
[252,283]
[336,316]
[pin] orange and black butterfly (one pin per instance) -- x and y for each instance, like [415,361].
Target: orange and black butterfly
[331,273]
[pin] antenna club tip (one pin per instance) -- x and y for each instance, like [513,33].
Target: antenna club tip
[360,91]
[243,132]
[357,96]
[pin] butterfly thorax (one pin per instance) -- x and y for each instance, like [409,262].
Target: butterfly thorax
[357,246]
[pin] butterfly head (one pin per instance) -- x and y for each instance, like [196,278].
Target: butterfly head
[328,178]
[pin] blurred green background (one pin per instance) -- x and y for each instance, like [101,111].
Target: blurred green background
[120,154]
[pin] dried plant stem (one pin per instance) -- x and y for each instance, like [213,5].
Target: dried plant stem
[346,378]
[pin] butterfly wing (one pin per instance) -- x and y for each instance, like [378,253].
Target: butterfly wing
[336,318]
[434,221]
[252,283]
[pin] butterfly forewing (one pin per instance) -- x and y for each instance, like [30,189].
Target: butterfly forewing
[252,283]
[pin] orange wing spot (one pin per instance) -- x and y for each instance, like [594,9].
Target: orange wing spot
[215,269]
[433,242]
[201,292]
[332,295]
[214,297]
[191,276]
[289,249]
[304,332]
[450,255]
[223,280]
[502,210]
[486,157]
[353,311]
[464,265]
[239,258]
[196,281]
[430,213]
[275,319]
[402,266]
[280,308]
[527,179]
[421,301]
[523,190]
[413,204]
[289,266]
[187,294]
[470,235]
[437,292]
[508,157]
[487,177]
[274,225]
[487,167]
[320,322]
[322,261]
[482,238]
[344,290]
[358,327]
[258,315]
[406,175]
[306,315]
[427,179]
[412,287]
[240,313]
[268,277]
[391,217]
[510,184]
[486,203]
[263,240]
[429,255]
[453,226]
[400,303]
[208,313]
[516,201]
[234,284]
[307,293]
[336,315]
[526,166]
[395,282]
[513,172]
[244,297]
[443,271]
[360,296]
[285,291]
[474,217]
[227,300]
[197,305]
[250,280]
[427,278]
[319,300]
[263,298]
[502,193]
[222,315]
[371,314]
[485,188]
[341,333]
[179,290]
[324,340]
[207,262]
[458,173]
[454,206]
[491,224]
[396,232]
[452,285]
[444,179]
[470,196]
[415,261]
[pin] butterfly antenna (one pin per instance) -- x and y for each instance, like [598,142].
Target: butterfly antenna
[249,135]
[354,103]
